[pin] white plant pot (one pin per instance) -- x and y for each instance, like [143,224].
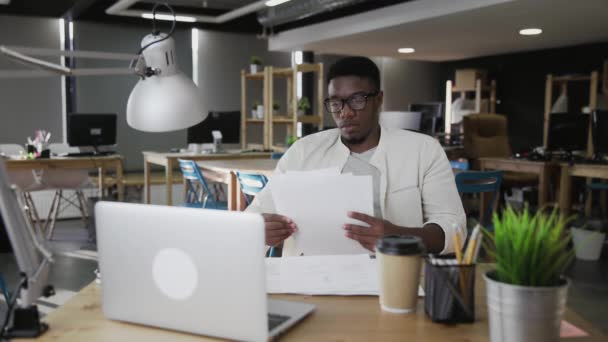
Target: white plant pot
[524,313]
[254,68]
[254,113]
[587,243]
[260,112]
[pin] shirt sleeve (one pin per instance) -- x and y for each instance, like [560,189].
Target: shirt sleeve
[441,203]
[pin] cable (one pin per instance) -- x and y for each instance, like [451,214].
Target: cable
[154,30]
[11,304]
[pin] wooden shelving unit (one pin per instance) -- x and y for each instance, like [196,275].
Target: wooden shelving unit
[479,89]
[562,82]
[288,117]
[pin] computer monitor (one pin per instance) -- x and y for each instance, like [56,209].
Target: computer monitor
[229,123]
[432,116]
[568,132]
[91,129]
[600,132]
[33,261]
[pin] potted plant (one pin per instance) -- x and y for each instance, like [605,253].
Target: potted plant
[526,293]
[254,109]
[275,108]
[588,238]
[255,64]
[303,105]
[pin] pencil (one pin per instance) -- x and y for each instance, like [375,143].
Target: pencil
[457,248]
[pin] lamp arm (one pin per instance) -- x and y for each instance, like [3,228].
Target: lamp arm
[18,54]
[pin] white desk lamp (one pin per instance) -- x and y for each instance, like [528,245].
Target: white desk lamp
[163,100]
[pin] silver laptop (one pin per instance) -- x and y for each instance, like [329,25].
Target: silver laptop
[194,270]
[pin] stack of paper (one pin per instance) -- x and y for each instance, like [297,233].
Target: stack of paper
[323,275]
[318,202]
[342,275]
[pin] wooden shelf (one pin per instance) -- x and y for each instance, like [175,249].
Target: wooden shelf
[572,78]
[256,76]
[285,119]
[308,119]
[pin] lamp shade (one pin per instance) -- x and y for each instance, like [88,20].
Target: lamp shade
[167,100]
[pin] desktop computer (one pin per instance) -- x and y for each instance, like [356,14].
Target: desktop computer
[229,123]
[431,120]
[91,130]
[568,132]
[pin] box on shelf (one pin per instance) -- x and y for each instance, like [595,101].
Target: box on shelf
[465,78]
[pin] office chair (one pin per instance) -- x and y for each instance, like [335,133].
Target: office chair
[476,182]
[198,194]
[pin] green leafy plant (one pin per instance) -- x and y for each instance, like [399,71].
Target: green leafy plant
[255,105]
[303,103]
[276,106]
[530,250]
[255,60]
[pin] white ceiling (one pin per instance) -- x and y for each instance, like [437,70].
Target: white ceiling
[215,4]
[443,30]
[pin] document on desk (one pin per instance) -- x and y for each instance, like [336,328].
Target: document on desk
[323,275]
[318,202]
[342,275]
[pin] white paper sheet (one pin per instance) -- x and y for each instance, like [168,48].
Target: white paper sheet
[323,275]
[318,203]
[344,275]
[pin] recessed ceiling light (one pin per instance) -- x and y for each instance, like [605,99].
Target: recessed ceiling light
[530,31]
[169,17]
[271,3]
[406,50]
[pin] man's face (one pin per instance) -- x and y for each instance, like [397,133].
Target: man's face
[355,124]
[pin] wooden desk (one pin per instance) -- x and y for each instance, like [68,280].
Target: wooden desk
[169,161]
[101,163]
[224,171]
[541,168]
[337,318]
[576,170]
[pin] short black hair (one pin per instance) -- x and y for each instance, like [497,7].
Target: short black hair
[356,66]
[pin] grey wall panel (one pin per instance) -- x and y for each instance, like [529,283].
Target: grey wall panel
[109,94]
[222,56]
[32,103]
[406,82]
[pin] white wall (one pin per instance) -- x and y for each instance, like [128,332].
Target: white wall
[28,104]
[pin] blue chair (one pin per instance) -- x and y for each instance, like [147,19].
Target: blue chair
[476,182]
[276,155]
[198,194]
[251,184]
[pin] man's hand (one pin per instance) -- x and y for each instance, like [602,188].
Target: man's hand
[278,228]
[367,236]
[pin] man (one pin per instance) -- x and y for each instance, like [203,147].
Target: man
[414,188]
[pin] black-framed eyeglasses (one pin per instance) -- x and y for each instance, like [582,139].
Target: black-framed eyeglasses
[355,102]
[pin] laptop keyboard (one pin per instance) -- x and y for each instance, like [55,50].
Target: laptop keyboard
[275,320]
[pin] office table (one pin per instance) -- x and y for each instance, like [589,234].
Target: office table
[169,161]
[576,170]
[101,163]
[224,171]
[541,168]
[337,318]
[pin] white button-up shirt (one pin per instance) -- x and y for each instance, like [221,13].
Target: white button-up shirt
[417,185]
